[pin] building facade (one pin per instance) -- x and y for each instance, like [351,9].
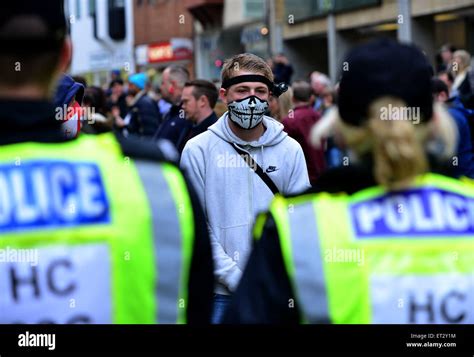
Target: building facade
[223,28]
[102,37]
[207,26]
[318,33]
[163,36]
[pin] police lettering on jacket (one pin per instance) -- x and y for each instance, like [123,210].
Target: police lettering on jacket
[47,194]
[419,212]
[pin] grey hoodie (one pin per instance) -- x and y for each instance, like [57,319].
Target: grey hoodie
[232,194]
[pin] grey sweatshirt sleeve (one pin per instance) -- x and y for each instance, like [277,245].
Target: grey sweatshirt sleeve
[226,270]
[299,179]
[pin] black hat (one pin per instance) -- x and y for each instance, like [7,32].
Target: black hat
[32,25]
[384,68]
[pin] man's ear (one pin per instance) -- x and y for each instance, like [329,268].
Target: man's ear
[64,61]
[223,95]
[203,101]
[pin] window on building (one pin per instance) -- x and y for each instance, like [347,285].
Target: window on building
[254,8]
[139,2]
[78,9]
[116,15]
[116,4]
[92,8]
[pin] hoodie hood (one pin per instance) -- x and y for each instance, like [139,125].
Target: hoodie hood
[273,134]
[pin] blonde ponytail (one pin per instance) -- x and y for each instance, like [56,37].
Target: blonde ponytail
[398,154]
[399,147]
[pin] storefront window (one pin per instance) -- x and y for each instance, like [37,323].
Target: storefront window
[254,9]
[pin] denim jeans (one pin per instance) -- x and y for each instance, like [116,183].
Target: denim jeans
[221,303]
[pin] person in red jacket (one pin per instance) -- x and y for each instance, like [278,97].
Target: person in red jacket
[298,125]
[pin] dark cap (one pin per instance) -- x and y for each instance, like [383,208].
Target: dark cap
[27,25]
[66,90]
[384,68]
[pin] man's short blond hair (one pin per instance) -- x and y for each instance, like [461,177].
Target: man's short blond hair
[245,62]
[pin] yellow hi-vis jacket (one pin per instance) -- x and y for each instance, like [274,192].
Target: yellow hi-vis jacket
[77,242]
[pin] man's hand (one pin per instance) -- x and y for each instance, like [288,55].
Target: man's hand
[119,122]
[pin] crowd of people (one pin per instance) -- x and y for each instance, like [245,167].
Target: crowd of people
[184,109]
[238,216]
[180,108]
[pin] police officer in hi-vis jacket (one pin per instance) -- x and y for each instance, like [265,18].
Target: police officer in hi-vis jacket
[95,231]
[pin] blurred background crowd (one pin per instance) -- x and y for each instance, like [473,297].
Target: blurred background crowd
[139,75]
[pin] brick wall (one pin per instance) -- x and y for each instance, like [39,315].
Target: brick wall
[159,20]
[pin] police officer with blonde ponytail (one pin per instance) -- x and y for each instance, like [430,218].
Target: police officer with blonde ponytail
[389,238]
[91,231]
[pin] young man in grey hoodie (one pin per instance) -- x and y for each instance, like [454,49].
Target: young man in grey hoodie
[230,190]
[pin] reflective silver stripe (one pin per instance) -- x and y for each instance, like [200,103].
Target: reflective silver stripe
[307,258]
[167,239]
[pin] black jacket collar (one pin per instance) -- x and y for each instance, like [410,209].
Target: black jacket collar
[211,119]
[28,120]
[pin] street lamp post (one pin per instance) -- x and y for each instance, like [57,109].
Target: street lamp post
[270,23]
[404,21]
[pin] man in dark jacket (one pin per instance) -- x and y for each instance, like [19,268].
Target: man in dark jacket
[143,118]
[174,123]
[199,99]
[298,125]
[117,97]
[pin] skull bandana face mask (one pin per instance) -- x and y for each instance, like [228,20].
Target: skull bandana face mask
[248,112]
